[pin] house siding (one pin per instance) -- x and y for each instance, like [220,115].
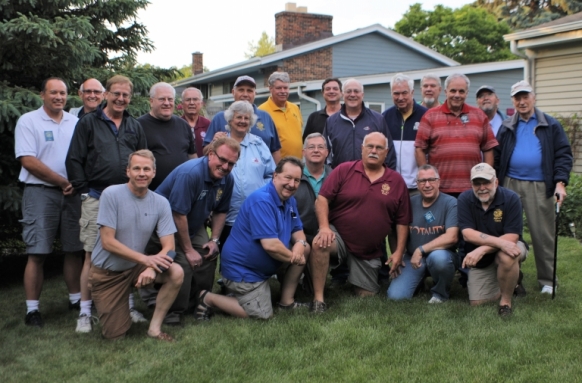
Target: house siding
[557,93]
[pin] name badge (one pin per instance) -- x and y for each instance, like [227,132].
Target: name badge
[48,135]
[429,217]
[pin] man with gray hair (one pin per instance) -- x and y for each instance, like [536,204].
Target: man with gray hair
[168,136]
[430,87]
[488,102]
[452,137]
[91,93]
[244,89]
[285,114]
[192,106]
[403,120]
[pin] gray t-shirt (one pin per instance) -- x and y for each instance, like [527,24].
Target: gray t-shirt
[430,222]
[134,220]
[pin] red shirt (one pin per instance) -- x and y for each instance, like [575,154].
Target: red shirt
[364,212]
[455,143]
[199,132]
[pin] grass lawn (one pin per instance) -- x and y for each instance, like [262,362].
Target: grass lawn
[357,340]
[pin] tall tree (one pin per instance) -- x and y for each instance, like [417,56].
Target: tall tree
[71,39]
[522,14]
[467,35]
[265,46]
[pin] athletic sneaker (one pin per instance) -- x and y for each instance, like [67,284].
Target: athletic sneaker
[84,323]
[547,290]
[136,316]
[435,300]
[318,307]
[33,318]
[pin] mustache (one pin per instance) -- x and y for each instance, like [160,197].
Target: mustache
[372,155]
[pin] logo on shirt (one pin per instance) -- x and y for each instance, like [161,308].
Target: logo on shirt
[202,195]
[260,126]
[218,195]
[429,217]
[385,189]
[497,215]
[366,128]
[202,134]
[293,215]
[464,118]
[416,124]
[48,135]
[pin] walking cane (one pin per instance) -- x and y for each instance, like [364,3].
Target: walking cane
[556,245]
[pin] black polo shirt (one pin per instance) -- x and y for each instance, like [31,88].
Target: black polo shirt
[504,216]
[315,123]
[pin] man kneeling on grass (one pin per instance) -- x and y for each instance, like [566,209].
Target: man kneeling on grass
[491,222]
[267,235]
[128,215]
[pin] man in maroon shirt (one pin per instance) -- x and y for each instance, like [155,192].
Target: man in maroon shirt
[192,105]
[357,207]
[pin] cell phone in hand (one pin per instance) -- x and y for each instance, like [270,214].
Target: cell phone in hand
[171,254]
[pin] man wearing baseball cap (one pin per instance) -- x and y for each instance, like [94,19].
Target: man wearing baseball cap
[491,223]
[488,102]
[534,159]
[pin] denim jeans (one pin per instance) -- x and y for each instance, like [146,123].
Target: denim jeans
[441,264]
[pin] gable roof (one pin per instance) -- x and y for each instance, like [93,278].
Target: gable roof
[257,62]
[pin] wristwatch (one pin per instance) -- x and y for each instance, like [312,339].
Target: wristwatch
[215,240]
[302,242]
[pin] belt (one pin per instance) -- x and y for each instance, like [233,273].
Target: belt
[42,186]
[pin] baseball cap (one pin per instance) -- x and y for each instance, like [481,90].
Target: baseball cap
[522,86]
[485,87]
[482,170]
[245,79]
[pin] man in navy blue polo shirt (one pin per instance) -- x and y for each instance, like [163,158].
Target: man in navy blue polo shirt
[195,189]
[267,235]
[491,223]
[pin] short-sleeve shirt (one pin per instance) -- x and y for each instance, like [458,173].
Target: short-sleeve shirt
[199,133]
[430,222]
[264,128]
[170,141]
[193,193]
[504,216]
[262,216]
[454,143]
[134,219]
[289,123]
[364,212]
[37,135]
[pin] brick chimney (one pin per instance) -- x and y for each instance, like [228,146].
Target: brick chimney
[294,26]
[197,63]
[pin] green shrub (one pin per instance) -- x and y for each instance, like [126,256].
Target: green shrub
[571,211]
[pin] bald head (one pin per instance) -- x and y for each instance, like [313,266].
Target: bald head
[91,93]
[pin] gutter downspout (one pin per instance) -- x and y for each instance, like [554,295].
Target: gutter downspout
[529,61]
[305,97]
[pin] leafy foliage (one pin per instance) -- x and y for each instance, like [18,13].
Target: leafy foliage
[522,14]
[467,35]
[265,46]
[571,211]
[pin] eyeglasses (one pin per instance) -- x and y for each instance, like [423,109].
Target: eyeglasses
[425,180]
[189,100]
[318,147]
[91,91]
[165,99]
[224,161]
[120,95]
[479,183]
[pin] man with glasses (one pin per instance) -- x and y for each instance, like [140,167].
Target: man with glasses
[97,158]
[195,189]
[432,239]
[91,93]
[192,106]
[488,102]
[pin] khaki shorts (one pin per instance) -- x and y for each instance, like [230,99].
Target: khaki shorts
[110,291]
[363,272]
[254,298]
[88,223]
[483,284]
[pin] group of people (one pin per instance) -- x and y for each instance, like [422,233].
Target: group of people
[153,202]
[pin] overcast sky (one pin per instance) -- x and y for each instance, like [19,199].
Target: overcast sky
[221,29]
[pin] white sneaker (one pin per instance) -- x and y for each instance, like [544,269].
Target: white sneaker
[136,316]
[547,289]
[84,324]
[435,300]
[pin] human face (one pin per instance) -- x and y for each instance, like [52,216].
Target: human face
[524,104]
[487,101]
[332,92]
[191,103]
[240,124]
[279,92]
[431,90]
[91,95]
[221,162]
[54,96]
[162,104]
[244,92]
[287,182]
[374,149]
[484,189]
[118,98]
[140,172]
[456,94]
[315,151]
[428,184]
[353,94]
[402,96]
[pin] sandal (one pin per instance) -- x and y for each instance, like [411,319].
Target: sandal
[203,311]
[163,337]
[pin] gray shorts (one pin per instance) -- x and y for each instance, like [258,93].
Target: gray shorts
[44,211]
[88,223]
[254,298]
[363,272]
[482,283]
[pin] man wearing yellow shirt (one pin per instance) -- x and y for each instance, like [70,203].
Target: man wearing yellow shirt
[286,115]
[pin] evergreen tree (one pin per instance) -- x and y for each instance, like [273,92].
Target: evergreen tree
[523,14]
